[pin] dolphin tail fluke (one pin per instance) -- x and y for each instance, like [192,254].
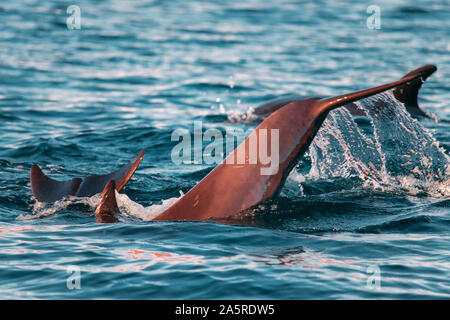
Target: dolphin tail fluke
[107,208]
[326,105]
[408,93]
[94,184]
[48,190]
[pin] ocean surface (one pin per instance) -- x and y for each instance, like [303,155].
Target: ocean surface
[364,215]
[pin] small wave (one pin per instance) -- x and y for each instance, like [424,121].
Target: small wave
[410,224]
[412,10]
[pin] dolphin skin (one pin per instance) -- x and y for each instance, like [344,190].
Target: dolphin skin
[231,189]
[107,209]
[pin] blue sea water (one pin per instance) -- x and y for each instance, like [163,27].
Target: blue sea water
[364,215]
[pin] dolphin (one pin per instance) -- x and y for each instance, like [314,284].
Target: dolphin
[406,93]
[230,189]
[107,209]
[49,190]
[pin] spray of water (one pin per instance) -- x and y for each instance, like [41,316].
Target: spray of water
[400,154]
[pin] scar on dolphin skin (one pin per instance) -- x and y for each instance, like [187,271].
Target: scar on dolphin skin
[227,190]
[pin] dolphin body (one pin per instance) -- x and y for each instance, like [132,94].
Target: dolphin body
[107,209]
[231,189]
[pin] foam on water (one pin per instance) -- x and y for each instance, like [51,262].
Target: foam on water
[127,207]
[134,209]
[43,210]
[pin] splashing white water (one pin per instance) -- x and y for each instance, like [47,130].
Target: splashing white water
[402,154]
[43,210]
[131,208]
[248,116]
[127,207]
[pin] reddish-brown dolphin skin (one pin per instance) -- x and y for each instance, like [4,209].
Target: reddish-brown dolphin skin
[107,208]
[230,189]
[407,94]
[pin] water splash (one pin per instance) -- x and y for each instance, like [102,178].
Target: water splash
[131,208]
[44,210]
[399,154]
[341,149]
[247,117]
[88,205]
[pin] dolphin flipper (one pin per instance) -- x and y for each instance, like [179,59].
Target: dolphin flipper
[47,190]
[107,208]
